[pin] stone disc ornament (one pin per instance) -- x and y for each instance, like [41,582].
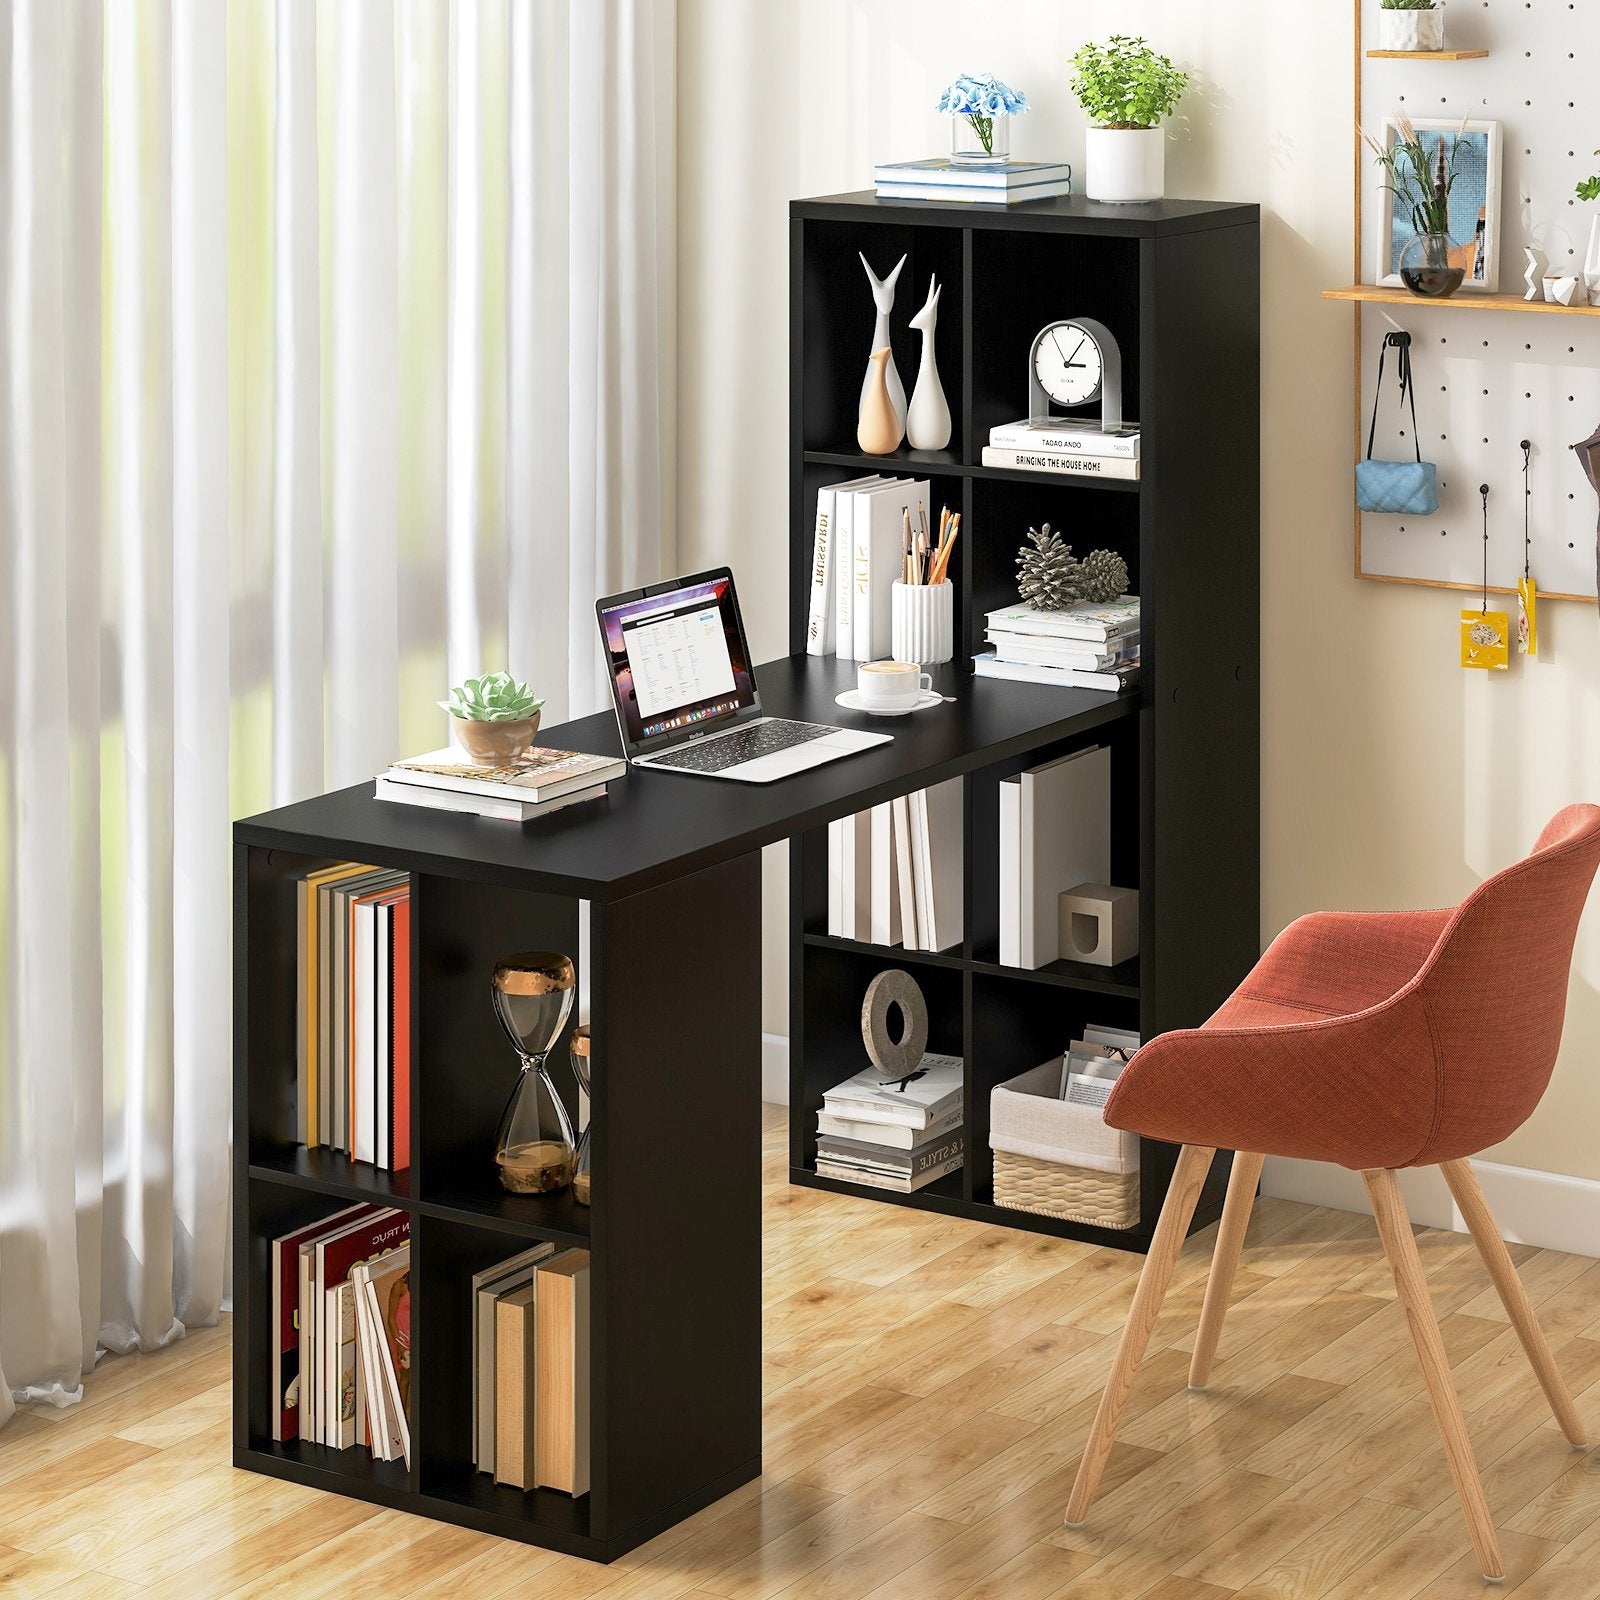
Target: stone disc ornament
[892,990]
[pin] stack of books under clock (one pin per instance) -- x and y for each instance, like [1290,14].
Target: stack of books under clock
[1065,445]
[1084,646]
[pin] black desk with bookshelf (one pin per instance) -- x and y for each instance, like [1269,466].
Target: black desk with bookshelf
[656,890]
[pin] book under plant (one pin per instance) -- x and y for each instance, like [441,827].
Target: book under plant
[540,781]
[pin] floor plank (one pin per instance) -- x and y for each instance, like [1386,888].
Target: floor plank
[929,1384]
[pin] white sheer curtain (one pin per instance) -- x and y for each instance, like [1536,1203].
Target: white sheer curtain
[336,351]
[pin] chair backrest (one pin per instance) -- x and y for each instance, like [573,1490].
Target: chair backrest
[1495,987]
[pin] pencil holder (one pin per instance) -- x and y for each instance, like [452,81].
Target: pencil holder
[924,622]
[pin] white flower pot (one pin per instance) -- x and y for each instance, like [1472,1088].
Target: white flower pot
[1411,30]
[1125,164]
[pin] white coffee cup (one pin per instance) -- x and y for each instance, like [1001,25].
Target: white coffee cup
[891,685]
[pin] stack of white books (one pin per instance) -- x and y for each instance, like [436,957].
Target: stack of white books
[1083,647]
[533,785]
[1064,444]
[1001,183]
[1055,833]
[857,553]
[894,1135]
[894,872]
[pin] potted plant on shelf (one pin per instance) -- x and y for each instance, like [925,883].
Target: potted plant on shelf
[1421,183]
[496,718]
[1589,190]
[1410,25]
[1128,91]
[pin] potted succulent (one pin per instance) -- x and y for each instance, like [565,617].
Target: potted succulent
[1128,91]
[1410,25]
[496,718]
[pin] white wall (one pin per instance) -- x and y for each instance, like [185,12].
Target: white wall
[1389,776]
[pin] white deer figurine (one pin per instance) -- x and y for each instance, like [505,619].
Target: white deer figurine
[883,299]
[928,419]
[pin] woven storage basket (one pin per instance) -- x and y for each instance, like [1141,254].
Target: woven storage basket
[1059,1160]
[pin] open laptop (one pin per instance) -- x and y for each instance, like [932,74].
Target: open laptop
[685,690]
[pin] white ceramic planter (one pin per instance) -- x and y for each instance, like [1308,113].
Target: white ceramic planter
[1411,30]
[1125,164]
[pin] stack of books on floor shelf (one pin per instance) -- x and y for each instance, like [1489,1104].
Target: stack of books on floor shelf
[341,1332]
[530,1370]
[893,1135]
[858,552]
[1083,647]
[1060,444]
[894,872]
[353,1030]
[532,786]
[1001,183]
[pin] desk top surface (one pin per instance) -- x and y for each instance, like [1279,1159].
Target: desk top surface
[653,826]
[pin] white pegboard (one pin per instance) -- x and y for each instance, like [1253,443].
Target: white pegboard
[1487,379]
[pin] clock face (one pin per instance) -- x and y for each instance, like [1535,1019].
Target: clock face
[1068,364]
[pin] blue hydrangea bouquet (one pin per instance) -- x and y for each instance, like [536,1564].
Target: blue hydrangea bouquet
[983,104]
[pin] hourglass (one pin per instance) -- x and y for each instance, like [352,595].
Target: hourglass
[583,1170]
[535,1149]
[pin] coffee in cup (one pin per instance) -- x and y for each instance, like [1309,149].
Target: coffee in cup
[891,685]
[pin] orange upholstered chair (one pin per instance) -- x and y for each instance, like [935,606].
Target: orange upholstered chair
[1377,1041]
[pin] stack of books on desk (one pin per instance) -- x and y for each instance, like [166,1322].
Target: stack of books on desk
[533,785]
[1083,647]
[1001,184]
[893,1135]
[1062,444]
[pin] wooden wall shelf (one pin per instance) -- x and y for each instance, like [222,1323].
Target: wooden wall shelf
[1383,294]
[1426,55]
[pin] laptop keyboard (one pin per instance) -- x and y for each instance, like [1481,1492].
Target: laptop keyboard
[745,744]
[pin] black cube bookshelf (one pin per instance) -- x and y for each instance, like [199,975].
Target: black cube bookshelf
[1178,283]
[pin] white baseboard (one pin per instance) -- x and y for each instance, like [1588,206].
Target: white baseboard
[775,1069]
[1546,1209]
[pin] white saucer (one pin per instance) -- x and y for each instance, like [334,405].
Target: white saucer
[851,700]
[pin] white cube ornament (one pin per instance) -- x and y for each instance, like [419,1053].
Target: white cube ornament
[1099,924]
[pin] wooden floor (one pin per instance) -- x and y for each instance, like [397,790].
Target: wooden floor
[929,1384]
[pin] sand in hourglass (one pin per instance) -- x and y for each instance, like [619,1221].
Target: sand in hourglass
[536,1167]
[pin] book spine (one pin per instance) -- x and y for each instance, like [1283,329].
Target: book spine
[821,615]
[998,197]
[1019,436]
[863,636]
[842,537]
[1067,466]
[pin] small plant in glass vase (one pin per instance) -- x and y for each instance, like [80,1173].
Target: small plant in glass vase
[1588,190]
[1127,91]
[1420,181]
[980,108]
[1410,25]
[496,718]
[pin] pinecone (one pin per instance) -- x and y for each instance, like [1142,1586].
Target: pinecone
[1047,574]
[1102,576]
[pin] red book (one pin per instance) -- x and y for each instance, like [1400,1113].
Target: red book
[286,1316]
[400,1034]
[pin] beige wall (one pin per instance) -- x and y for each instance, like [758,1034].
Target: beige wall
[1389,776]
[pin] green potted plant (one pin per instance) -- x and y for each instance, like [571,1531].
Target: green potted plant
[496,718]
[1410,25]
[1128,91]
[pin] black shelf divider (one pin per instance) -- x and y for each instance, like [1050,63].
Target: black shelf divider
[1178,284]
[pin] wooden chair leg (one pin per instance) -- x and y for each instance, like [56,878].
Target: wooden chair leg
[1242,1183]
[1400,1245]
[1463,1183]
[1194,1161]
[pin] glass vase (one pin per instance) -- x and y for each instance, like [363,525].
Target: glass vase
[980,141]
[582,1173]
[534,1150]
[1427,267]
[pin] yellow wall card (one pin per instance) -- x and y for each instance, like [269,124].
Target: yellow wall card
[1485,639]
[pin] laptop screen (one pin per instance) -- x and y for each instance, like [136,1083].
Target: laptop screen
[677,658]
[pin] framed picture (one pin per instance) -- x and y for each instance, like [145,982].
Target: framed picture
[1474,202]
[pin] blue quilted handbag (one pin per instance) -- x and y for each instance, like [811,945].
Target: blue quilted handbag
[1399,488]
